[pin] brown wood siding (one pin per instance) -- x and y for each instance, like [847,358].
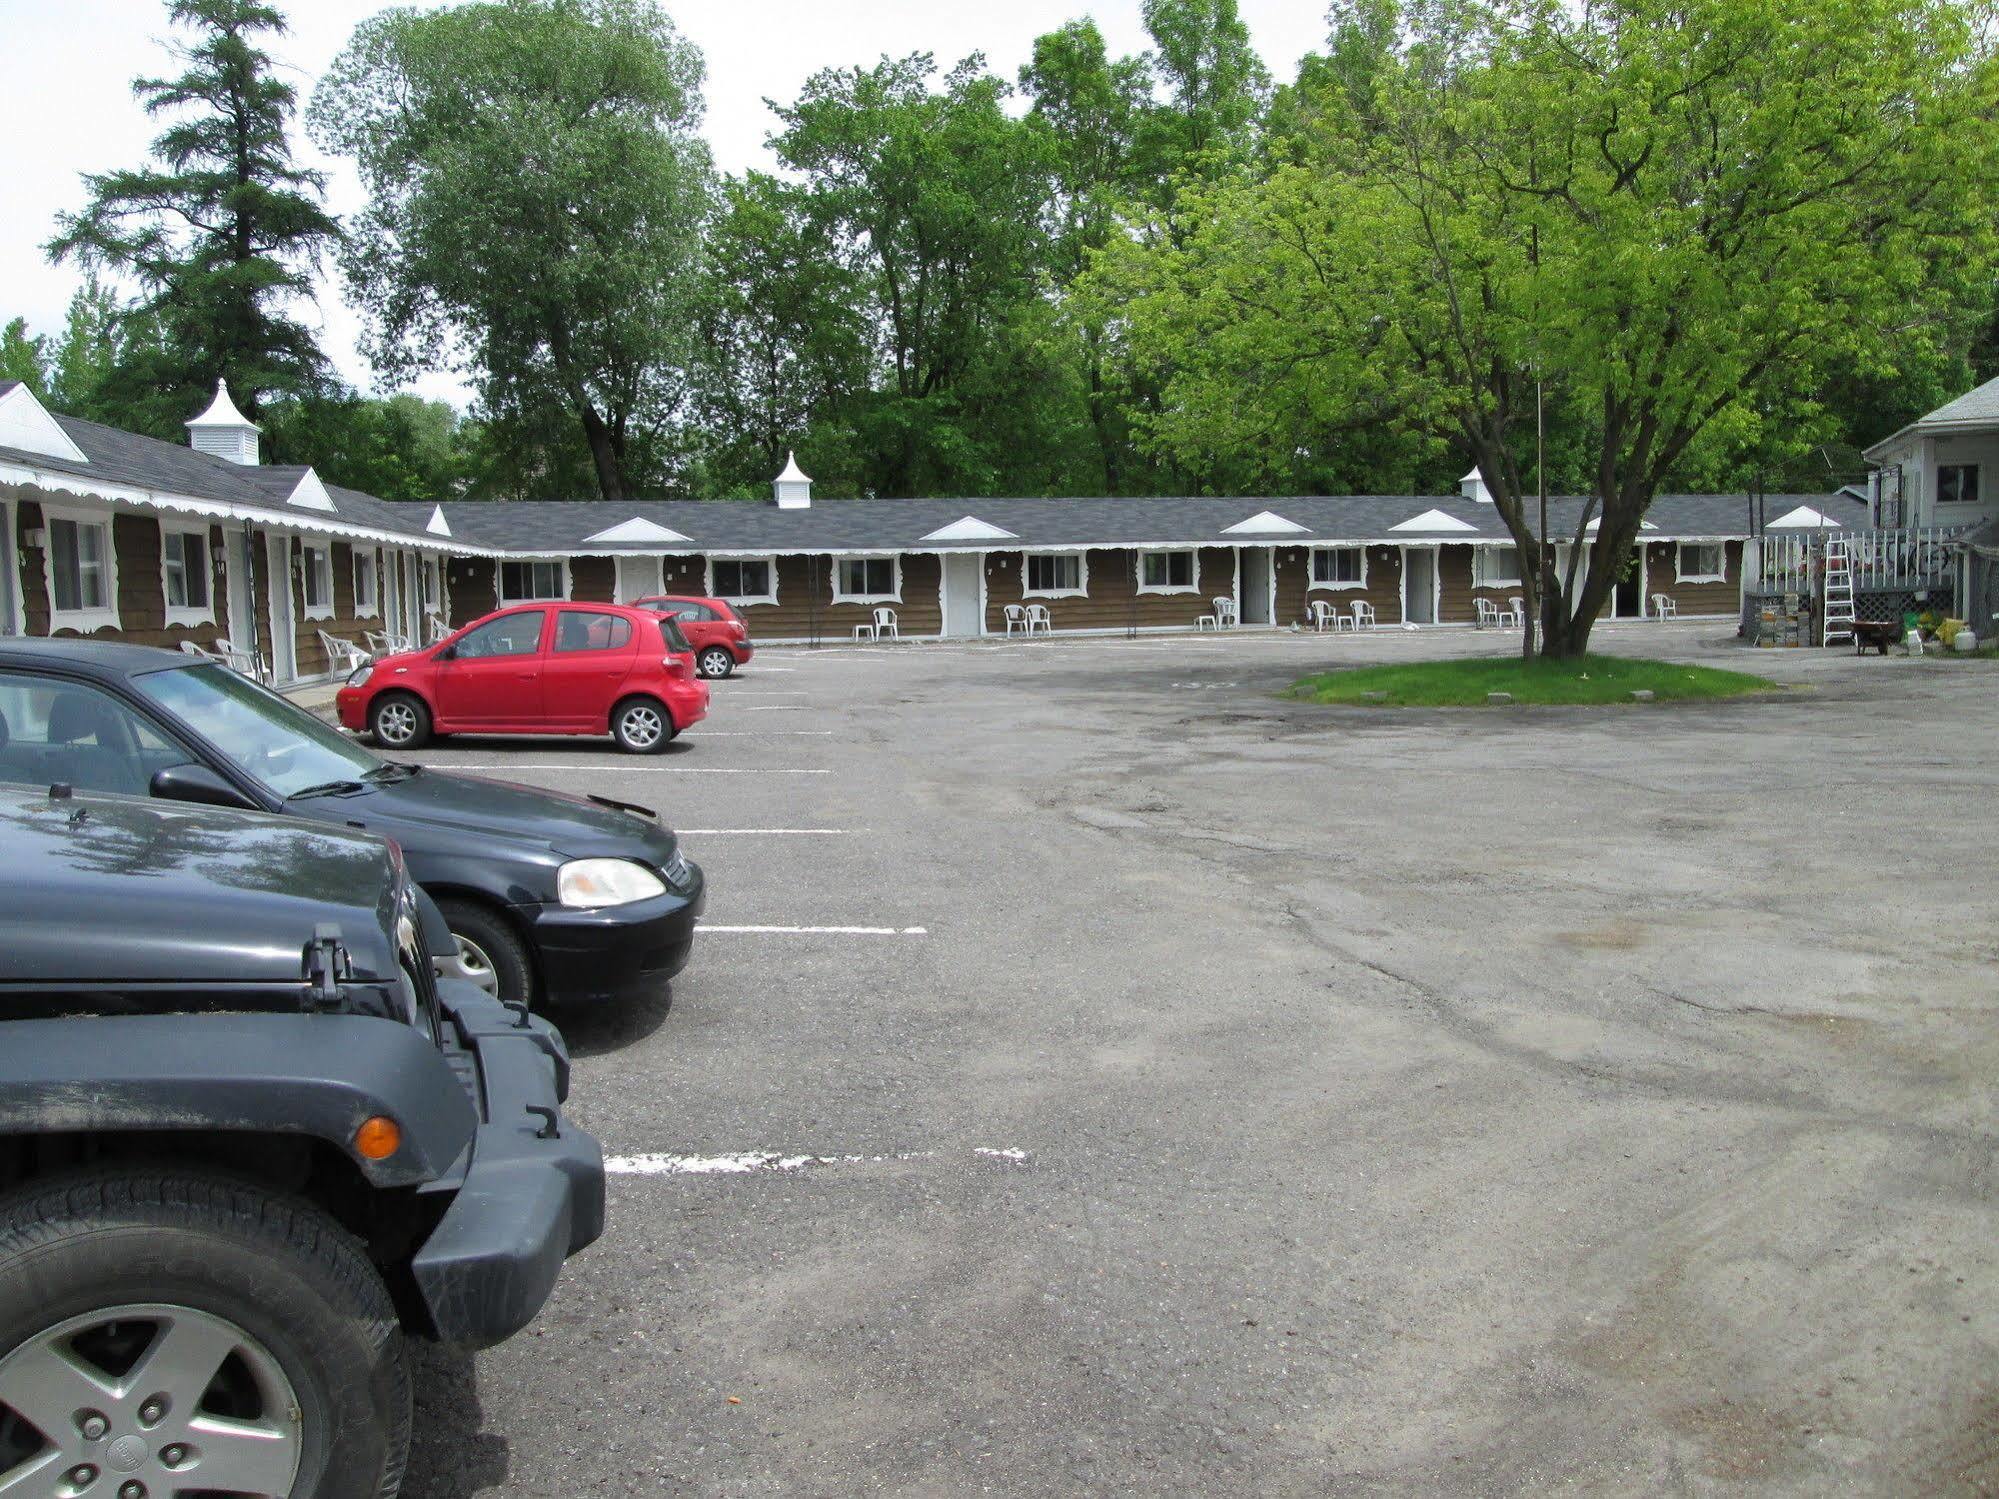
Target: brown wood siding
[593,580]
[1114,602]
[1662,568]
[1295,593]
[802,610]
[685,576]
[34,581]
[142,605]
[472,584]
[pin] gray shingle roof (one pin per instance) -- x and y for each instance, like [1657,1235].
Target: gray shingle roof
[1977,406]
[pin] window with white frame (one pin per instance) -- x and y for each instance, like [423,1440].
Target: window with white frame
[316,581]
[1339,567]
[185,578]
[742,580]
[1702,562]
[364,581]
[867,580]
[1055,575]
[82,573]
[1166,572]
[1495,567]
[524,582]
[1957,484]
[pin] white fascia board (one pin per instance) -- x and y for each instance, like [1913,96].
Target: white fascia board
[67,488]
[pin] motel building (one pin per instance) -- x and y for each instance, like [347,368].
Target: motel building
[115,535]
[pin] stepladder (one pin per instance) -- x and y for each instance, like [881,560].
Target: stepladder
[1839,612]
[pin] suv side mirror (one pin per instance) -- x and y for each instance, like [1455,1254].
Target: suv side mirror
[197,783]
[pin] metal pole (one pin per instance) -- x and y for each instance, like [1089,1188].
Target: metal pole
[1541,486]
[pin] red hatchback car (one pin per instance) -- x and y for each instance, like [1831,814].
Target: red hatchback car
[549,668]
[720,639]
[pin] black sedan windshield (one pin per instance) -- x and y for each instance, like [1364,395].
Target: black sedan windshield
[274,741]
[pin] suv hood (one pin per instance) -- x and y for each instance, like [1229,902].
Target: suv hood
[571,826]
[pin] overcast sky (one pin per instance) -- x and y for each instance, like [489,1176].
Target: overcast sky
[68,107]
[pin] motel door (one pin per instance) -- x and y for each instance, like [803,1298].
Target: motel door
[638,578]
[1419,585]
[1254,569]
[284,632]
[9,571]
[963,609]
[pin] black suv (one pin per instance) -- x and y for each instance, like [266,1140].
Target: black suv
[247,1143]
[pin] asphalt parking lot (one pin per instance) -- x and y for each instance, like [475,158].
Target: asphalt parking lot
[1198,1092]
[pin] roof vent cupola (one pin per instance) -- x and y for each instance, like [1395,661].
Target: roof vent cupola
[1472,487]
[792,489]
[224,432]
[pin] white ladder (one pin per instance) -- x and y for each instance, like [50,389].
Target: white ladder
[1839,616]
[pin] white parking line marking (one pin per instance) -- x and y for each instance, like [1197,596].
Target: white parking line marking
[773,1163]
[780,708]
[767,832]
[757,734]
[664,770]
[819,931]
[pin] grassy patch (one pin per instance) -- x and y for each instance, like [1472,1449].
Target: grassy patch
[1461,684]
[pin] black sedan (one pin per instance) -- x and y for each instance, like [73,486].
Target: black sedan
[551,898]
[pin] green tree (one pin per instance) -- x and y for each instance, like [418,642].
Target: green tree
[538,195]
[86,360]
[221,236]
[932,200]
[401,448]
[1675,218]
[1216,89]
[25,357]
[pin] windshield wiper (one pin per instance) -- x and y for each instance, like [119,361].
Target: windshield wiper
[329,788]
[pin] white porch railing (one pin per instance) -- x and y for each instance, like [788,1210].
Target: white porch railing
[1908,559]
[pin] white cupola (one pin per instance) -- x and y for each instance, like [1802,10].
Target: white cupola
[1472,487]
[792,489]
[224,432]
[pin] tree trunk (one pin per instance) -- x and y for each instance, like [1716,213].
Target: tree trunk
[603,453]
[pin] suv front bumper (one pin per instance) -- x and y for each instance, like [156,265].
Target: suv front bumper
[529,1191]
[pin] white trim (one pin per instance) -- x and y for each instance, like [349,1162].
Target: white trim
[1680,573]
[437,525]
[507,601]
[305,568]
[1080,591]
[636,532]
[1193,572]
[18,588]
[1265,523]
[769,560]
[970,528]
[373,557]
[841,596]
[1433,520]
[278,574]
[26,423]
[1312,585]
[83,621]
[310,494]
[188,614]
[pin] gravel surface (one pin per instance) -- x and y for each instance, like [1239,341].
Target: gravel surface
[1285,1099]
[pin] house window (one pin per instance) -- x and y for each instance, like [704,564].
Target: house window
[867,580]
[1495,567]
[83,576]
[743,581]
[1339,567]
[185,577]
[364,582]
[1702,562]
[1957,484]
[1166,572]
[317,582]
[523,582]
[1054,575]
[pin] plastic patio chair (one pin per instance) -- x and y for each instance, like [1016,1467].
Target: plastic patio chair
[1016,619]
[1225,612]
[342,656]
[1038,618]
[1322,615]
[1363,615]
[1486,614]
[1519,610]
[197,652]
[238,660]
[885,625]
[1665,606]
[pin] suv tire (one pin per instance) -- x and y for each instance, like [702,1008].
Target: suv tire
[315,1326]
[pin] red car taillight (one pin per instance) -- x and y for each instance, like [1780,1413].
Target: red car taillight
[678,666]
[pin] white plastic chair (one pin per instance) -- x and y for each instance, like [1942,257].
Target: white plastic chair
[238,660]
[197,652]
[1323,617]
[435,627]
[885,624]
[385,642]
[1363,615]
[1665,606]
[1207,622]
[1519,610]
[1486,614]
[1038,618]
[1513,616]
[342,656]
[1225,613]
[1016,619]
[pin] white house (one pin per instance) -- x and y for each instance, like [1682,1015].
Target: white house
[1942,469]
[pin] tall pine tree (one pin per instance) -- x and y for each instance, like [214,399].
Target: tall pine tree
[221,232]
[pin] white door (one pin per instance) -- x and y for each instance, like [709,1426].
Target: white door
[1255,572]
[242,595]
[1419,585]
[284,637]
[964,595]
[392,592]
[10,567]
[638,578]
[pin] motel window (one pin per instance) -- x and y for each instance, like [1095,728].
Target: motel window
[1166,572]
[185,576]
[1339,567]
[82,576]
[317,582]
[1054,574]
[1495,567]
[742,581]
[523,582]
[364,581]
[866,580]
[1957,484]
[1702,562]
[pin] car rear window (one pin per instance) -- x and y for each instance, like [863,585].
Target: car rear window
[673,635]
